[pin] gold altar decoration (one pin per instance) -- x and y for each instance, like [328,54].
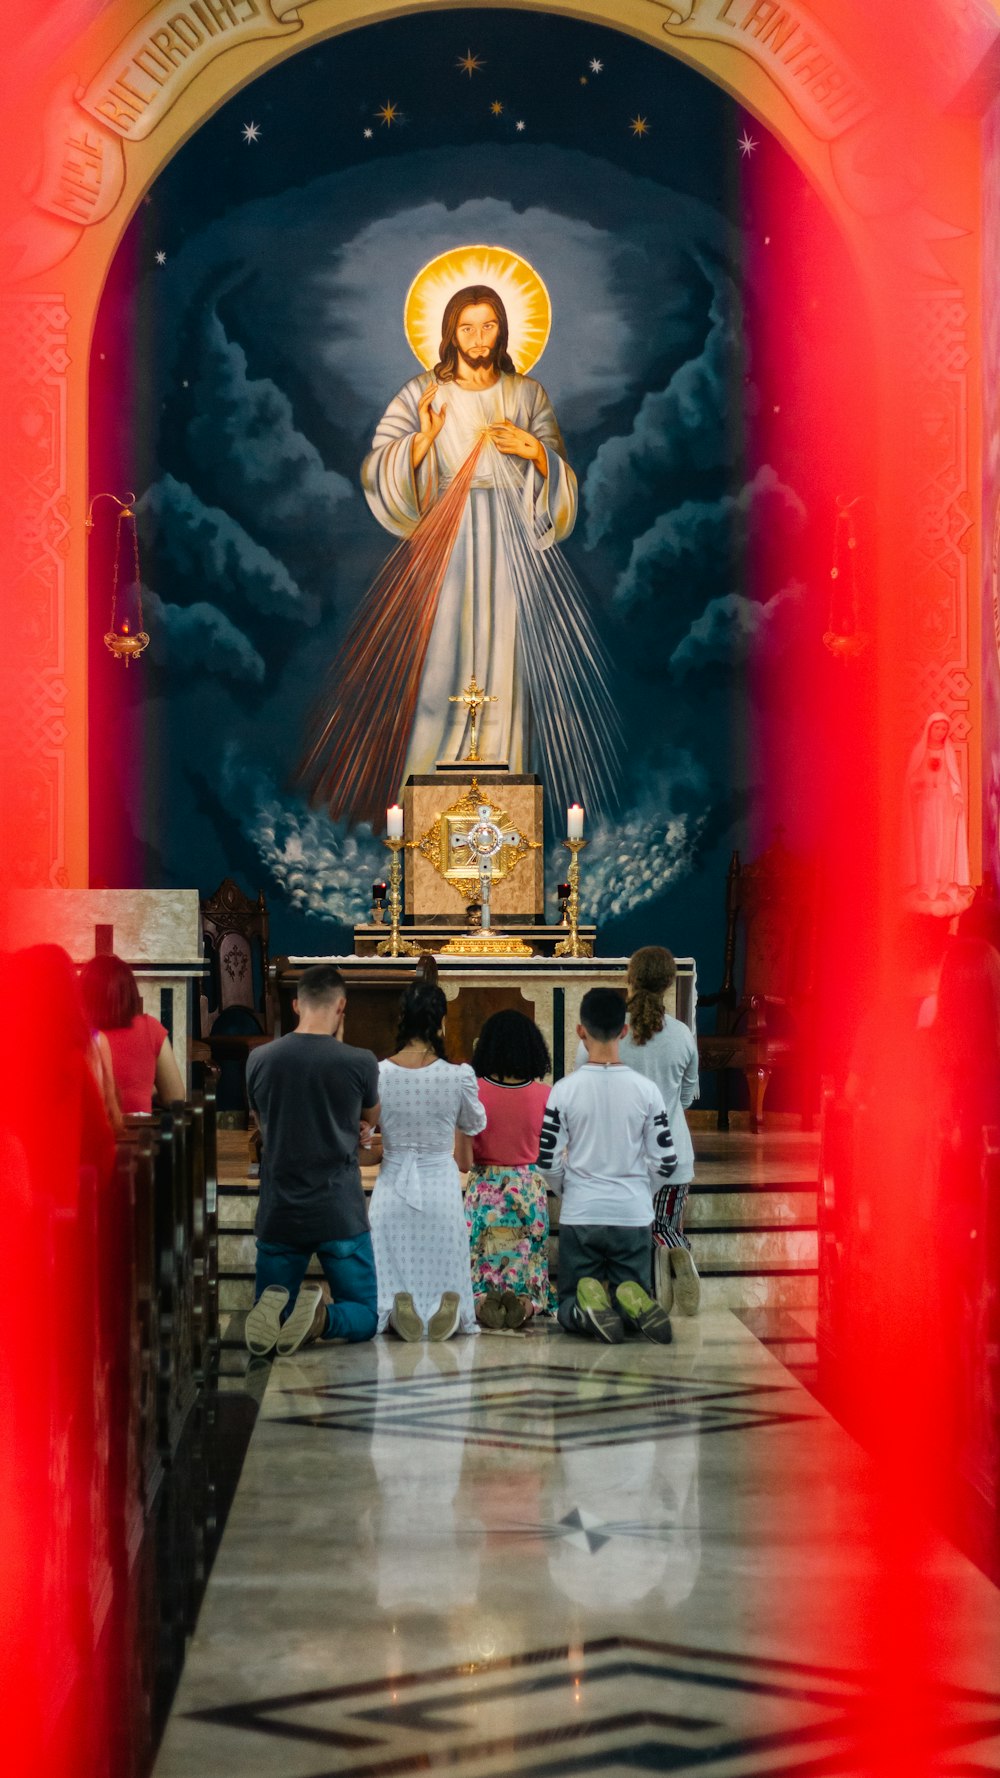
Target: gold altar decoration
[473,697]
[574,945]
[485,944]
[520,289]
[123,640]
[396,945]
[438,845]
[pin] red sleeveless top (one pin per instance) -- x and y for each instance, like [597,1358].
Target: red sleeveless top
[134,1052]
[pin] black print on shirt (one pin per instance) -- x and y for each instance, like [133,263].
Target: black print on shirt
[548,1138]
[664,1140]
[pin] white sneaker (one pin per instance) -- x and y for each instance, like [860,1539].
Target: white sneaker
[403,1317]
[687,1284]
[444,1321]
[301,1323]
[663,1277]
[263,1322]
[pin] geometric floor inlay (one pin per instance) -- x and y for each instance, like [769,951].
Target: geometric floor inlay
[545,1407]
[614,1706]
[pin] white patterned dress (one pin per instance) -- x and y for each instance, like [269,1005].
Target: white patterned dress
[417,1218]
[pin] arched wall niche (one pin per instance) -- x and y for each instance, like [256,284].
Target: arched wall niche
[127,94]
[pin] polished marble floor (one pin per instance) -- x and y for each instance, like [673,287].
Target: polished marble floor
[536,1555]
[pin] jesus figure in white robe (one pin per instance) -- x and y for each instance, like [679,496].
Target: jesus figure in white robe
[468,468]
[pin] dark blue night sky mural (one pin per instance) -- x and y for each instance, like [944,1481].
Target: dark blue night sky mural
[268,269]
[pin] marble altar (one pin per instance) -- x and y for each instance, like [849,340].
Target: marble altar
[548,989]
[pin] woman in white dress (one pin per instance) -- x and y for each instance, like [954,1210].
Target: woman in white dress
[417,1217]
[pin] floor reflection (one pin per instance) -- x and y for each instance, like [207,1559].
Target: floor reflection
[518,1556]
[420,1562]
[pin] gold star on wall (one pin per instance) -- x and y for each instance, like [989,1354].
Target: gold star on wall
[470,63]
[496,108]
[639,126]
[388,113]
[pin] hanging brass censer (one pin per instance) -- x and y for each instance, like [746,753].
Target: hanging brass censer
[126,639]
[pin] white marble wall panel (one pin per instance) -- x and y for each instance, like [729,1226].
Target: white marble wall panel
[150,925]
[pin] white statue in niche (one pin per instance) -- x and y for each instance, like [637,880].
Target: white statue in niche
[935,831]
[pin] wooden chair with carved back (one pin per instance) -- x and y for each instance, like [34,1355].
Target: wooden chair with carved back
[236,1014]
[768,1022]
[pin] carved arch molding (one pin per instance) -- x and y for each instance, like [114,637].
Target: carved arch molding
[143,78]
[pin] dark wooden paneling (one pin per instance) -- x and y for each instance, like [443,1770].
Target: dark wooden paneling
[469,1011]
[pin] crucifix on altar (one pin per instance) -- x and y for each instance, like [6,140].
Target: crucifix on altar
[474,697]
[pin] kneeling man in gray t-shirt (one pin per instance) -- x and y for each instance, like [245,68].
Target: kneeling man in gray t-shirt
[311,1093]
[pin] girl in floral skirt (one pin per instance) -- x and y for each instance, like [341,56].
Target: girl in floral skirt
[505,1204]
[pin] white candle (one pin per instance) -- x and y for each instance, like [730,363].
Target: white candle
[394,822]
[574,822]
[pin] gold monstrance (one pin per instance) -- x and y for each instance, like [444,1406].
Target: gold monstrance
[474,698]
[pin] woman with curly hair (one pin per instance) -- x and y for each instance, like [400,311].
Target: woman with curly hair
[417,1221]
[505,1202]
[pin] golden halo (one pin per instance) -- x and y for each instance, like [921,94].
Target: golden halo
[524,296]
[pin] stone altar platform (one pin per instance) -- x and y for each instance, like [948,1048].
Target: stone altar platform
[548,989]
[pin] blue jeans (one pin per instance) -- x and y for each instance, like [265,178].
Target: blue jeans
[349,1269]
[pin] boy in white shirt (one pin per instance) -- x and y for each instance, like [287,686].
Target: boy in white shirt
[606,1148]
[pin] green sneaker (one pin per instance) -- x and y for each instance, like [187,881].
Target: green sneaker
[594,1304]
[639,1309]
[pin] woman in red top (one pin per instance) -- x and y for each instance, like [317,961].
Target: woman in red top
[50,1100]
[505,1203]
[140,1048]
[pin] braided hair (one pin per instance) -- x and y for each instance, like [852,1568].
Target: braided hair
[651,972]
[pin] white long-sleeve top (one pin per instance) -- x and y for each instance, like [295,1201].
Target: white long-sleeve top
[670,1059]
[606,1145]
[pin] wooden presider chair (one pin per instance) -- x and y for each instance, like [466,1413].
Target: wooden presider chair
[771,903]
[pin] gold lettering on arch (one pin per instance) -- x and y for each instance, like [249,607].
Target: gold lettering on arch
[802,58]
[133,91]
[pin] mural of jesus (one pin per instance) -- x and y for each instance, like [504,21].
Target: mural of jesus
[468,468]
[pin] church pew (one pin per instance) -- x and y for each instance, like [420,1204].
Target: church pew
[175,1269]
[131,1271]
[205,1232]
[121,1287]
[960,1185]
[146,1334]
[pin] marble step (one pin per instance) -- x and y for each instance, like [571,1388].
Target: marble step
[717,1208]
[751,1250]
[730,1249]
[765,1290]
[740,1207]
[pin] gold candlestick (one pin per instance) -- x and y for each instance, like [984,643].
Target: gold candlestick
[574,945]
[395,945]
